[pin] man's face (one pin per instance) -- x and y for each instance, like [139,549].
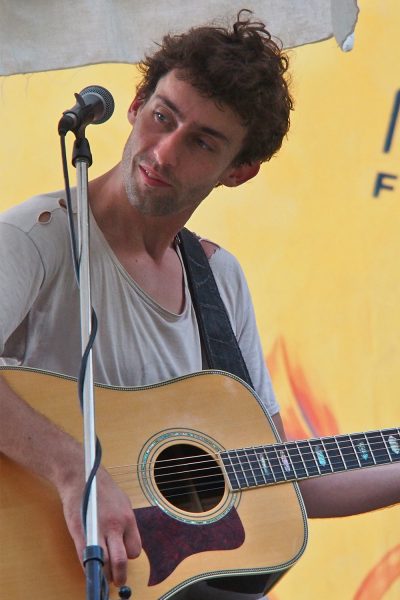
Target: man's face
[181,146]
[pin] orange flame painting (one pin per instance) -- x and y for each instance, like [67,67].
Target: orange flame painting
[307,415]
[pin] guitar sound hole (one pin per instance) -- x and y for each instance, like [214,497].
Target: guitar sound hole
[189,478]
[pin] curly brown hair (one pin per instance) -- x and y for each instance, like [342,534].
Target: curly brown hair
[242,68]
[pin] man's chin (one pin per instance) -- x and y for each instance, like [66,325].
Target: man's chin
[152,202]
[159,208]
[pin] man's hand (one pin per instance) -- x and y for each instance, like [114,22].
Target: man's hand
[118,532]
[38,444]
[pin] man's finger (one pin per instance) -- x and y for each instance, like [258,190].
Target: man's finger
[133,543]
[117,559]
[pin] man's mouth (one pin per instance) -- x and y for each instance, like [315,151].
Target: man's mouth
[151,177]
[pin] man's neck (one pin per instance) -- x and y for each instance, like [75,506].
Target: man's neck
[144,245]
[123,226]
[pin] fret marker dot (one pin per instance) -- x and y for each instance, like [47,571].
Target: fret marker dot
[264,466]
[320,456]
[394,444]
[285,462]
[363,451]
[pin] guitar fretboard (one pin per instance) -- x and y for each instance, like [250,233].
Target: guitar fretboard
[292,461]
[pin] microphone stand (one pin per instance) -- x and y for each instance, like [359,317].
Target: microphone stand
[93,555]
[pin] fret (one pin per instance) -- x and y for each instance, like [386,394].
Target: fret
[296,461]
[230,471]
[324,445]
[308,458]
[349,454]
[285,462]
[377,443]
[249,454]
[363,450]
[240,472]
[246,467]
[370,449]
[299,466]
[355,451]
[392,440]
[320,457]
[334,453]
[275,464]
[266,468]
[341,453]
[315,461]
[313,455]
[264,472]
[256,467]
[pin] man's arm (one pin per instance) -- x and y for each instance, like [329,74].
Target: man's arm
[32,440]
[349,492]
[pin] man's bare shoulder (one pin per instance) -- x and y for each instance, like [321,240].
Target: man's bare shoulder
[223,263]
[209,247]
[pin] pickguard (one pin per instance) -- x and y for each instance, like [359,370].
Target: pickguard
[167,541]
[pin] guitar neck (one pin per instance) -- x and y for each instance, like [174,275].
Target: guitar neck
[293,461]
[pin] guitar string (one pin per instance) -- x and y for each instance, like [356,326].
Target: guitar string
[216,487]
[253,477]
[252,472]
[219,478]
[277,448]
[194,492]
[209,463]
[341,450]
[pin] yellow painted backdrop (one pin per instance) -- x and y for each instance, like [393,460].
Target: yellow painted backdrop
[320,251]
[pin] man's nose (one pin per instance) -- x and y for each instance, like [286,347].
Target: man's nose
[168,149]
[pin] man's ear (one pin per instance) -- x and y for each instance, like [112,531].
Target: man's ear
[238,175]
[134,107]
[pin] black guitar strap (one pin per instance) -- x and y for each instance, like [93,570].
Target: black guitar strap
[222,352]
[219,342]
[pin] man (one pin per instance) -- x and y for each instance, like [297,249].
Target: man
[212,106]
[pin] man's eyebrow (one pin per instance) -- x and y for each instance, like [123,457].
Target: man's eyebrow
[170,105]
[204,128]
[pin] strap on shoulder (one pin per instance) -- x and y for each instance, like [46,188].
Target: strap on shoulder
[219,342]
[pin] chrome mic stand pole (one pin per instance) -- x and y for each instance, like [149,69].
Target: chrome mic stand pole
[93,555]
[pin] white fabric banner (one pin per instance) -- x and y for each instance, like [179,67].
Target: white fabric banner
[54,34]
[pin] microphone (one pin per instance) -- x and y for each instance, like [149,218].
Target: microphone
[94,104]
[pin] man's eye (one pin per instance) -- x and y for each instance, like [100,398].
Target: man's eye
[159,116]
[204,145]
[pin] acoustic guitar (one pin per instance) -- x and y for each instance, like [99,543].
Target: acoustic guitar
[213,489]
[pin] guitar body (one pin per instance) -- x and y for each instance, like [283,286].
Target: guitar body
[195,532]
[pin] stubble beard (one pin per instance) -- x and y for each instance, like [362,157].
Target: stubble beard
[156,203]
[147,203]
